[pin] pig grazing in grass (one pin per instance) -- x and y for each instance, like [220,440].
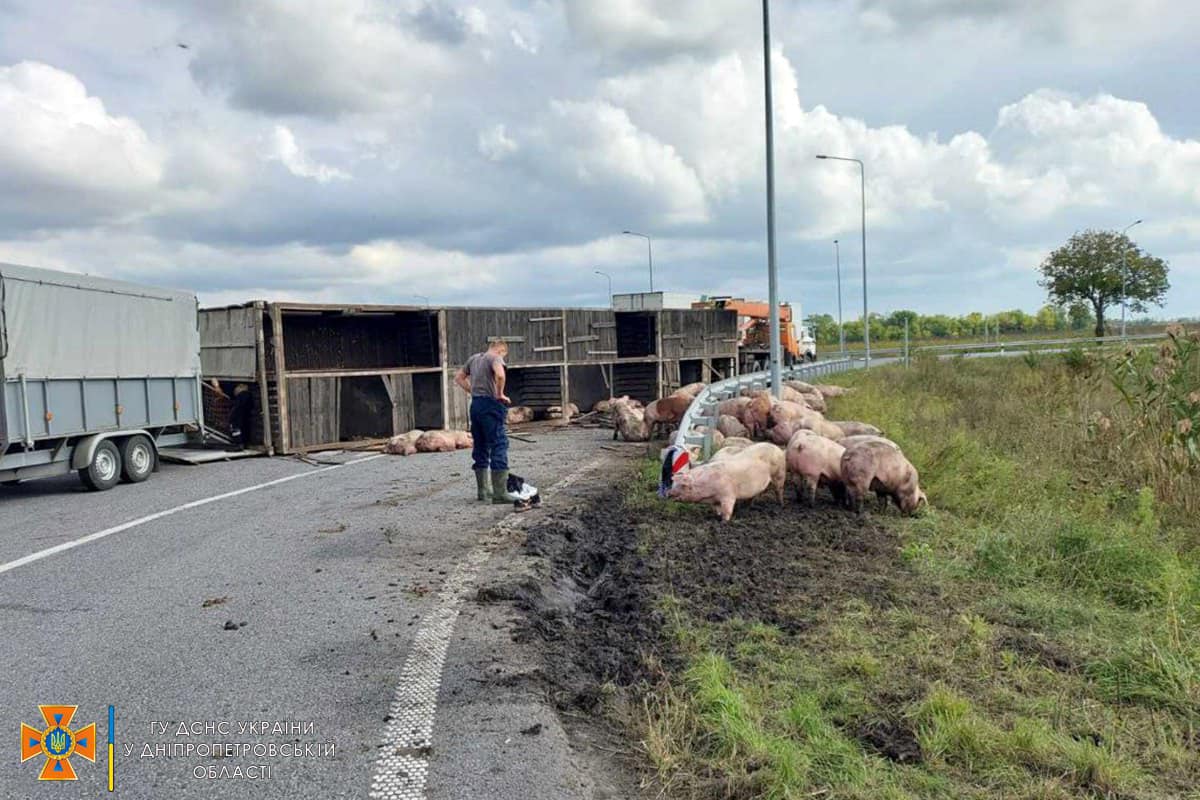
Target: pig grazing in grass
[815,461]
[815,401]
[880,468]
[852,428]
[847,441]
[829,390]
[743,476]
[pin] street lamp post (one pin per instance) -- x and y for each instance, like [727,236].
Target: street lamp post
[837,260]
[649,253]
[866,316]
[772,271]
[1125,273]
[605,274]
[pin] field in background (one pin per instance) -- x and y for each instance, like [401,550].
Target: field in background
[1032,636]
[831,350]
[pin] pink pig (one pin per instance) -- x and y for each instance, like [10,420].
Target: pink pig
[816,461]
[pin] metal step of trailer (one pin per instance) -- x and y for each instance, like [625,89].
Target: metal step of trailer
[204,455]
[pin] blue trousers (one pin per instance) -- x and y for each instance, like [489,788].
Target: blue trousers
[488,416]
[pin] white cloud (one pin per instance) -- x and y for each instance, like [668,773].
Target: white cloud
[495,144]
[318,58]
[663,28]
[285,150]
[58,142]
[594,146]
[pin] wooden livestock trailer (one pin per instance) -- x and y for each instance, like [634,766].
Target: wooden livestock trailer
[326,374]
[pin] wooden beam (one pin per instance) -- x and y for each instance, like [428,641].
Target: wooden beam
[444,364]
[260,361]
[281,389]
[577,339]
[545,319]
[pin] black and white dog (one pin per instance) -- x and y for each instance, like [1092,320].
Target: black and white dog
[524,494]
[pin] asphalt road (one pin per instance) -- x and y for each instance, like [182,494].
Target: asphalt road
[328,578]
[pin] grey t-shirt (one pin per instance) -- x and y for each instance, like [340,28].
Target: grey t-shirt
[481,368]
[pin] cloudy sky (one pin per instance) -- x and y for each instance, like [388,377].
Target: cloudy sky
[491,151]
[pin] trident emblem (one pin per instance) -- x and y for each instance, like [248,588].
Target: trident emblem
[58,742]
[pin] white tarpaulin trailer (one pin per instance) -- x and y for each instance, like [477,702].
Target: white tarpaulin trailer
[93,370]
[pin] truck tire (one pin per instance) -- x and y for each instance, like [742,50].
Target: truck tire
[105,470]
[137,459]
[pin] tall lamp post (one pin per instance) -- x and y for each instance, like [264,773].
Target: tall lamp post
[772,271]
[866,317]
[837,260]
[605,274]
[1125,273]
[649,253]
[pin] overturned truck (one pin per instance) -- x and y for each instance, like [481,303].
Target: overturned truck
[324,374]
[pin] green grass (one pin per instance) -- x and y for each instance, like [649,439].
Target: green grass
[1043,642]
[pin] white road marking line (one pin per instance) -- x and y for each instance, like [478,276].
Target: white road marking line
[403,766]
[124,526]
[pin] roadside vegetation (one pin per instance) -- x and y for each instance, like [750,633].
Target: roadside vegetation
[1033,635]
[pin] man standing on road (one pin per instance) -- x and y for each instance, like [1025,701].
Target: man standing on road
[482,377]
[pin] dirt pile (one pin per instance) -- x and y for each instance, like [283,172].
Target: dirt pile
[593,614]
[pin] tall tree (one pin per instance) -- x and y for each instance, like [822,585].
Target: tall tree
[1088,269]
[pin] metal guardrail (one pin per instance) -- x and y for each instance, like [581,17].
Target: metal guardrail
[702,411]
[1013,345]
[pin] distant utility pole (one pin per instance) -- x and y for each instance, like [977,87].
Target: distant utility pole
[606,275]
[866,315]
[837,260]
[649,253]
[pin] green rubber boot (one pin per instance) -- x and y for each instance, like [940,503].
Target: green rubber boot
[483,492]
[500,488]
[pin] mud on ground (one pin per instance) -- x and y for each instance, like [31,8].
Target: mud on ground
[598,615]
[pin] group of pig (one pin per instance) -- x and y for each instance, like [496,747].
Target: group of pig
[851,459]
[427,442]
[634,422]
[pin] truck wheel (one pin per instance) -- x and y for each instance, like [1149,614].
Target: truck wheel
[105,469]
[137,459]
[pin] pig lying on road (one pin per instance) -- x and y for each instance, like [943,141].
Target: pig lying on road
[437,442]
[519,414]
[877,467]
[629,421]
[721,483]
[403,445]
[815,461]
